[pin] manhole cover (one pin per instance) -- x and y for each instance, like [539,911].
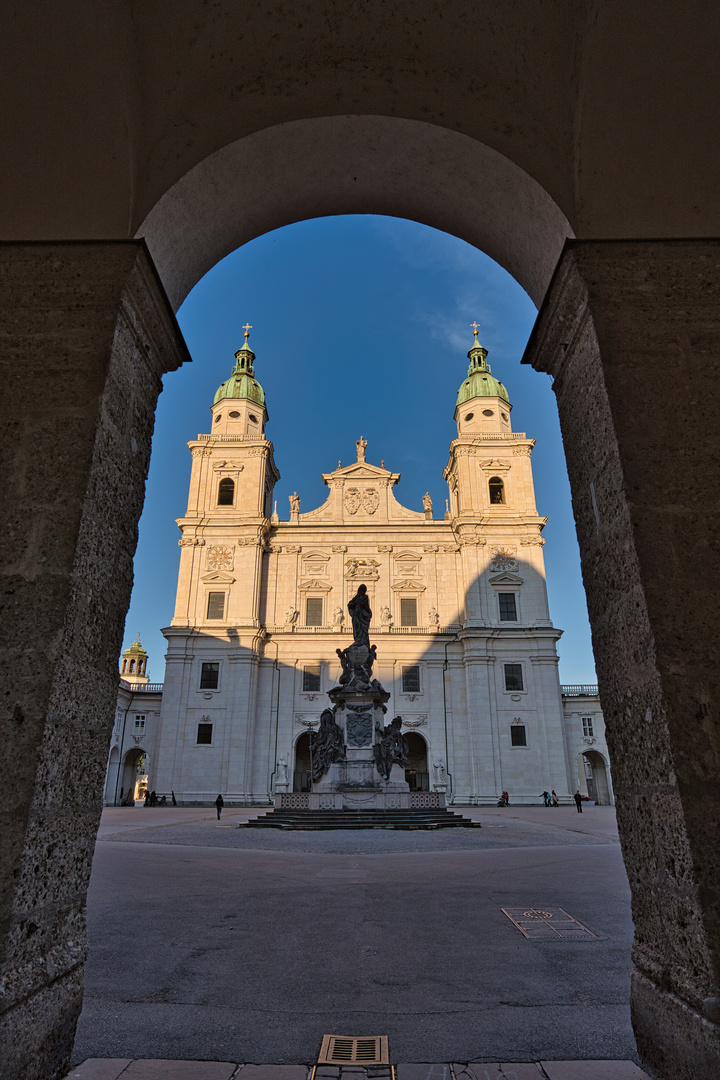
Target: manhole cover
[354,1050]
[548,924]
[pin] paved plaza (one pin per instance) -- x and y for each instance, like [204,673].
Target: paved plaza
[247,946]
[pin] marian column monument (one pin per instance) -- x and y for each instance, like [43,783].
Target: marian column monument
[358,761]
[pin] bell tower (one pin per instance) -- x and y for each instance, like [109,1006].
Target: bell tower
[229,505]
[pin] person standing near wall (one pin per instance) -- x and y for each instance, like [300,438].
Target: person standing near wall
[578,801]
[219,803]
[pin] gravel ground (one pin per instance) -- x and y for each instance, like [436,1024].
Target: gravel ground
[509,834]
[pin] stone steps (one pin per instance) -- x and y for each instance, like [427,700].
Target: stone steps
[360,819]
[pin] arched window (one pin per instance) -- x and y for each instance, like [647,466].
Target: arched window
[497,491]
[132,666]
[124,666]
[226,492]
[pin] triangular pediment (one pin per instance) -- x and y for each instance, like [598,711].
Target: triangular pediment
[407,585]
[217,577]
[506,579]
[362,470]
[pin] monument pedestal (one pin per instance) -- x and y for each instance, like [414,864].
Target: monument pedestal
[356,782]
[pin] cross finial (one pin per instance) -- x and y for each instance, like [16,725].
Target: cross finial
[247,328]
[475,328]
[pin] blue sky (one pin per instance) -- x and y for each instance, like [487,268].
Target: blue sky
[361,325]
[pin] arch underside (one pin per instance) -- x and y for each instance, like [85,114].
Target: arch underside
[354,165]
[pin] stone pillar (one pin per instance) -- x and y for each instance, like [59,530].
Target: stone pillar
[631,333]
[86,336]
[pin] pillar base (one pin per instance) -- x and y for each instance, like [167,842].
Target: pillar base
[673,1039]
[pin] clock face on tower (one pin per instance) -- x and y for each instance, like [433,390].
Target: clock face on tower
[220,558]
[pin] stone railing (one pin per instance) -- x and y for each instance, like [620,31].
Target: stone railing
[143,688]
[427,800]
[231,438]
[294,800]
[579,690]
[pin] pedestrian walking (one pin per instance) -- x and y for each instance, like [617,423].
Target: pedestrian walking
[545,796]
[219,803]
[578,801]
[555,800]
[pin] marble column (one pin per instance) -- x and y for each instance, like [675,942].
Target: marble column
[86,335]
[630,331]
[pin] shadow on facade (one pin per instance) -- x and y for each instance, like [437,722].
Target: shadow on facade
[479,694]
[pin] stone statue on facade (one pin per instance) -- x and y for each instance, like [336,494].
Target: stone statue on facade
[427,502]
[386,618]
[439,777]
[338,617]
[327,744]
[294,503]
[391,748]
[290,616]
[361,444]
[433,617]
[282,771]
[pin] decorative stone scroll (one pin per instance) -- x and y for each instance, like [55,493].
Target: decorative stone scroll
[419,721]
[361,570]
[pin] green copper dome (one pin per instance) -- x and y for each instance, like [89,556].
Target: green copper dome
[480,381]
[242,383]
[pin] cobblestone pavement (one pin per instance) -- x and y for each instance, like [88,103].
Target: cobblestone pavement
[156,1069]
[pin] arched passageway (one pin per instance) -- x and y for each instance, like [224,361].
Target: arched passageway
[301,768]
[416,771]
[616,314]
[593,774]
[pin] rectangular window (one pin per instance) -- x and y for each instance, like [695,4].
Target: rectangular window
[513,677]
[587,725]
[314,611]
[216,605]
[311,677]
[209,676]
[204,735]
[508,607]
[408,611]
[411,679]
[518,735]
[139,726]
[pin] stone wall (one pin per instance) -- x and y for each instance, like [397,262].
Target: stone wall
[86,337]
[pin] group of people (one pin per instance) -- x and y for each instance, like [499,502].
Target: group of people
[151,799]
[550,798]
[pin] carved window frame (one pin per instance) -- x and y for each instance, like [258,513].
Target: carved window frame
[210,689]
[514,663]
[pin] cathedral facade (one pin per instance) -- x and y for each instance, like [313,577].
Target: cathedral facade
[465,644]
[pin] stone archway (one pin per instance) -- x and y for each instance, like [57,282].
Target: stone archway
[596,776]
[416,771]
[301,764]
[613,312]
[134,777]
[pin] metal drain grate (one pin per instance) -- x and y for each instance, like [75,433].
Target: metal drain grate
[350,1050]
[548,924]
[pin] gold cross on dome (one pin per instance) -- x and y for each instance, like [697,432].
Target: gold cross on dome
[247,328]
[475,327]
